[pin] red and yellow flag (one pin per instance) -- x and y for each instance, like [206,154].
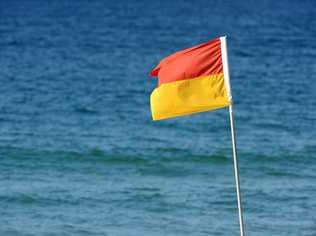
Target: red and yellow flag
[192,80]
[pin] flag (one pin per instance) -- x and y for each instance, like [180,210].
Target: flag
[192,80]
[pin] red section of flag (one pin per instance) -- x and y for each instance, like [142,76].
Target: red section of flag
[201,60]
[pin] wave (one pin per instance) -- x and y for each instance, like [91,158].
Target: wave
[163,156]
[154,156]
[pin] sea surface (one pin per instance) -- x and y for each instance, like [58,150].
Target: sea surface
[80,155]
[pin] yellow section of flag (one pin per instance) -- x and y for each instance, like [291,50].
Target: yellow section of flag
[185,97]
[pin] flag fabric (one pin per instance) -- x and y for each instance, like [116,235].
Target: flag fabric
[192,80]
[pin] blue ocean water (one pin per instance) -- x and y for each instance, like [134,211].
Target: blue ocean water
[79,154]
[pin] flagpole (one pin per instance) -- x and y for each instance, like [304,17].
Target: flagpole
[240,212]
[232,128]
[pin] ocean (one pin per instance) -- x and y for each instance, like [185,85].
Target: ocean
[80,155]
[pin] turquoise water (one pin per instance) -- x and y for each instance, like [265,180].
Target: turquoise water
[79,154]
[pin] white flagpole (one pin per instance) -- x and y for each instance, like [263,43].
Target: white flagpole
[232,128]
